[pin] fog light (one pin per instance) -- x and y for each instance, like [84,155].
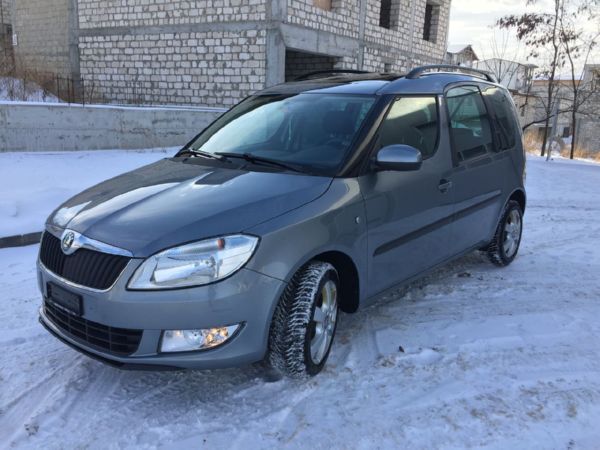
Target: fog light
[190,340]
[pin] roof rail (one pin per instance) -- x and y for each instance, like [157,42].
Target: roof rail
[310,75]
[418,71]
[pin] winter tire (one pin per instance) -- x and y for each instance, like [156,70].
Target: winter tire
[505,244]
[305,321]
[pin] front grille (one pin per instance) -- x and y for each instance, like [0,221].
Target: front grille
[119,341]
[85,267]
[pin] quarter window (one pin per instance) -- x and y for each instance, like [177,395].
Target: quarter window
[469,123]
[412,121]
[505,125]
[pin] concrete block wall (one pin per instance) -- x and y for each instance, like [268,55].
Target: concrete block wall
[215,52]
[6,55]
[405,38]
[209,68]
[396,9]
[199,52]
[342,19]
[100,14]
[43,127]
[6,51]
[5,6]
[42,29]
[397,49]
[589,134]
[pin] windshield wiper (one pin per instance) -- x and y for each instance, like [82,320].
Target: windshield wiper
[204,154]
[259,159]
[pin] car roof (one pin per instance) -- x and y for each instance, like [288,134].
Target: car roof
[374,83]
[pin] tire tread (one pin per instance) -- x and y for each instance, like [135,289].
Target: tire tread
[494,251]
[291,318]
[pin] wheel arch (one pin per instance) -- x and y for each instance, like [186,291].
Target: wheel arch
[519,196]
[348,277]
[348,274]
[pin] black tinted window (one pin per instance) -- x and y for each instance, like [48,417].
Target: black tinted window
[504,125]
[412,121]
[469,123]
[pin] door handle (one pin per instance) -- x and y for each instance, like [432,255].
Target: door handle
[444,185]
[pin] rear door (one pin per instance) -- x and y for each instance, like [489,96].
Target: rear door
[481,167]
[409,214]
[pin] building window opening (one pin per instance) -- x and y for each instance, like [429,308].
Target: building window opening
[323,4]
[300,63]
[431,23]
[385,14]
[389,14]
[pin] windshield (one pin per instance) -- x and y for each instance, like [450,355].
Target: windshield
[313,131]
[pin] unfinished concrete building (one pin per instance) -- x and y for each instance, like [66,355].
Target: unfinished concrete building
[215,52]
[6,50]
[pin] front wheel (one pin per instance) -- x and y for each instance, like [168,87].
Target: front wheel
[305,321]
[505,244]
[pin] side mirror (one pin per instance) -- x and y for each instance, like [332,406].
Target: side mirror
[398,157]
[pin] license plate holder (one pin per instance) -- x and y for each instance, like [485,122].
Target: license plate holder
[65,299]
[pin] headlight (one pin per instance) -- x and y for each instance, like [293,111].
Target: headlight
[194,264]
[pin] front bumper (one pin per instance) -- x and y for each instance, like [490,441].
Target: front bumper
[247,297]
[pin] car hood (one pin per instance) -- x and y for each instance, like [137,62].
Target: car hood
[172,202]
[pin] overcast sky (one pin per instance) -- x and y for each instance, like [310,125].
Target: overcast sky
[472,22]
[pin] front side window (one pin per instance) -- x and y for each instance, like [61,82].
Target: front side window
[505,124]
[412,121]
[315,131]
[469,123]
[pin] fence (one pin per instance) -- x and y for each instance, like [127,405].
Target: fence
[22,85]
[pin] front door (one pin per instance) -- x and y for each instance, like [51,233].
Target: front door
[409,214]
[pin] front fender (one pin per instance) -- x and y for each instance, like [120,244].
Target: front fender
[336,221]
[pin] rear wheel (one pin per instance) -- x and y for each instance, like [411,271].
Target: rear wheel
[305,321]
[505,244]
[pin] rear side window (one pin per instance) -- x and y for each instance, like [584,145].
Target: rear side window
[412,121]
[470,127]
[505,126]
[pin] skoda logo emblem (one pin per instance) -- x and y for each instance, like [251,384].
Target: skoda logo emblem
[67,242]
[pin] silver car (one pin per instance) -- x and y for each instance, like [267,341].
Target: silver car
[304,200]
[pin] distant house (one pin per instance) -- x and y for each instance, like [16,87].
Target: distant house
[532,106]
[513,75]
[588,128]
[461,55]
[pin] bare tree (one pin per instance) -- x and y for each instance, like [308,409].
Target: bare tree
[540,31]
[578,46]
[502,57]
[561,36]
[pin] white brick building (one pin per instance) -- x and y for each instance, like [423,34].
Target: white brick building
[215,52]
[6,55]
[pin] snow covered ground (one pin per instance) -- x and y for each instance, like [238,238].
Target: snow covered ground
[15,89]
[495,358]
[32,185]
